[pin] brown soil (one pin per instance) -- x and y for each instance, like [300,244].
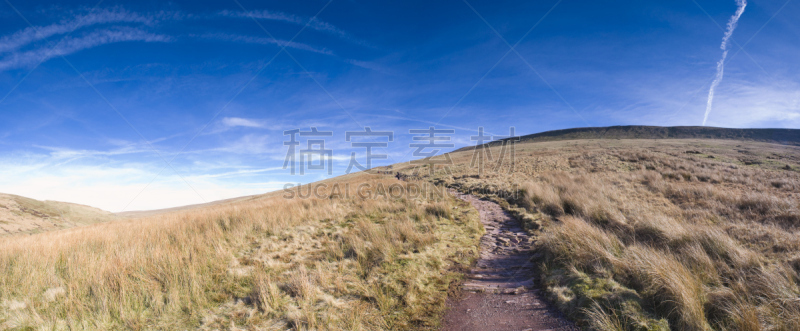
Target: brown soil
[500,292]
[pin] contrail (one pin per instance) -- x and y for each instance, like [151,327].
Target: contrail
[721,64]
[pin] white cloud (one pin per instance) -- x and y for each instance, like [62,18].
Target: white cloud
[66,153]
[113,186]
[739,103]
[239,172]
[229,123]
[238,121]
[76,44]
[314,24]
[746,104]
[264,41]
[29,35]
[255,144]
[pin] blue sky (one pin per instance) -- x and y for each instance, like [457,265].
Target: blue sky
[97,99]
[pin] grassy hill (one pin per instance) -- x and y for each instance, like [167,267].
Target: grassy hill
[23,215]
[631,234]
[267,262]
[779,136]
[655,234]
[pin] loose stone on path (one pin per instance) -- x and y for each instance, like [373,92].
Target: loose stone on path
[499,293]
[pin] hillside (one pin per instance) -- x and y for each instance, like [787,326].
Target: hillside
[146,213]
[629,234]
[644,234]
[779,136]
[268,262]
[23,215]
[218,203]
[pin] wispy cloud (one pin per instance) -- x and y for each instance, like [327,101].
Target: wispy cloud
[110,185]
[238,121]
[63,153]
[745,103]
[748,104]
[264,41]
[313,24]
[431,123]
[29,35]
[73,45]
[239,173]
[253,144]
[26,47]
[741,4]
[232,122]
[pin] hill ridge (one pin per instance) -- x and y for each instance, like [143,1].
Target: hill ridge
[780,136]
[20,214]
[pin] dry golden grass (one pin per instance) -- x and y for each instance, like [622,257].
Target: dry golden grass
[631,235]
[667,234]
[270,263]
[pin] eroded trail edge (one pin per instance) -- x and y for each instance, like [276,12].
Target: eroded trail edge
[500,293]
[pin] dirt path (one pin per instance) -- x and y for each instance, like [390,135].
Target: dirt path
[499,293]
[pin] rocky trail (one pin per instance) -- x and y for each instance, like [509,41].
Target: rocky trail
[500,293]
